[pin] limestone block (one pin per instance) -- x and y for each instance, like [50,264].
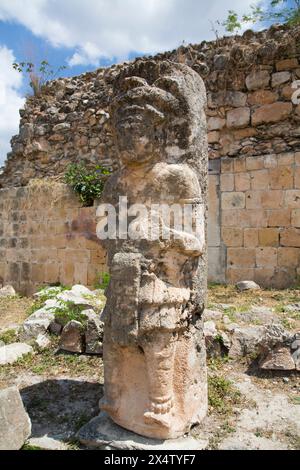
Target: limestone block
[258,79]
[279,78]
[233,200]
[15,425]
[72,337]
[11,353]
[290,237]
[270,113]
[238,118]
[286,64]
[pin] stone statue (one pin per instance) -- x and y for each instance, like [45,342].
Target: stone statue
[154,354]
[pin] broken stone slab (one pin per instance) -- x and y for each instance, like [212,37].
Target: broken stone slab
[275,335]
[209,329]
[216,341]
[212,315]
[213,346]
[55,328]
[102,433]
[47,443]
[13,352]
[42,342]
[94,335]
[71,339]
[292,307]
[51,292]
[7,291]
[15,425]
[296,359]
[79,295]
[256,315]
[296,341]
[278,359]
[247,285]
[245,340]
[38,323]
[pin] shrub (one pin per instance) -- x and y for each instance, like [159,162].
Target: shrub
[88,184]
[68,311]
[222,394]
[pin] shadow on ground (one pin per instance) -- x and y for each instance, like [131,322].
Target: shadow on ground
[59,407]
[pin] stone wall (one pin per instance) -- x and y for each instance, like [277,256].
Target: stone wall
[248,81]
[254,229]
[46,237]
[253,132]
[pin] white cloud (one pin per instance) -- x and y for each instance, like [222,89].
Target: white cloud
[10,100]
[114,28]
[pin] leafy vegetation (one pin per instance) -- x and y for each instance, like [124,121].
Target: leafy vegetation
[88,184]
[274,11]
[39,74]
[68,311]
[45,293]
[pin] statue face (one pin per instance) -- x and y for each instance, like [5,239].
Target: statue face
[141,114]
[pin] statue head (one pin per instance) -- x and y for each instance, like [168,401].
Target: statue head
[158,112]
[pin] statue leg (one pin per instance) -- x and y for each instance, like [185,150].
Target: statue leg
[159,349]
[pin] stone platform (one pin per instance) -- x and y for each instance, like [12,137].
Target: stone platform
[102,433]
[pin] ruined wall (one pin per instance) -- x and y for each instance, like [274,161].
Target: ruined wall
[259,229]
[47,237]
[251,121]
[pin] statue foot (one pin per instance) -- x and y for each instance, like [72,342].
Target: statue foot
[160,419]
[159,412]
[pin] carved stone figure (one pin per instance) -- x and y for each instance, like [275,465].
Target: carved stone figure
[154,355]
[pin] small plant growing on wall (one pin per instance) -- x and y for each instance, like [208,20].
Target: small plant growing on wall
[88,184]
[38,74]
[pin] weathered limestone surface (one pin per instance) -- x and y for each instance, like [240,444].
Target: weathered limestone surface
[154,355]
[15,425]
[46,236]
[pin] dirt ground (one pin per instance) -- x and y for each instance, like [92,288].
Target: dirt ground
[248,409]
[14,310]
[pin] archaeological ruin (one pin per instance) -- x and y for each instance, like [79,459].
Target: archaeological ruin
[253,115]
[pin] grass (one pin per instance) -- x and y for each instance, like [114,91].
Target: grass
[13,310]
[102,282]
[28,446]
[217,363]
[220,433]
[222,395]
[9,336]
[228,294]
[239,302]
[50,363]
[295,400]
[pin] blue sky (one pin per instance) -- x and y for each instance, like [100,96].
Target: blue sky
[84,35]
